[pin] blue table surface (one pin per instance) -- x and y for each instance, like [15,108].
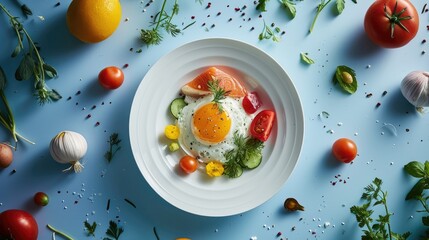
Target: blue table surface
[388,136]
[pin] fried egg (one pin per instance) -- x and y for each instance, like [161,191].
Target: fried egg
[206,131]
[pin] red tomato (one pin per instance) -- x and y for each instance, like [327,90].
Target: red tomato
[251,102]
[188,164]
[344,150]
[261,125]
[18,225]
[41,199]
[111,77]
[391,23]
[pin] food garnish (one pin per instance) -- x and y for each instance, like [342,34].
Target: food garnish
[218,93]
[346,78]
[291,204]
[32,63]
[114,141]
[381,227]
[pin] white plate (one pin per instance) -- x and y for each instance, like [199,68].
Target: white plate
[197,193]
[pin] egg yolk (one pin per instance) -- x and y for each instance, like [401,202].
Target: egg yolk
[211,125]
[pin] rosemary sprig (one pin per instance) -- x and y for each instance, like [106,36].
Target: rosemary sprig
[113,146]
[162,20]
[218,93]
[32,64]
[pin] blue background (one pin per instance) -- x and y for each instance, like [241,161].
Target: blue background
[336,40]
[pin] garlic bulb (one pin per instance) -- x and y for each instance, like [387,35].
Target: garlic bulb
[415,88]
[68,147]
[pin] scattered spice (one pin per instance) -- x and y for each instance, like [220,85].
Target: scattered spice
[57,4]
[369,95]
[97,124]
[378,105]
[129,202]
[156,234]
[384,93]
[424,8]
[108,205]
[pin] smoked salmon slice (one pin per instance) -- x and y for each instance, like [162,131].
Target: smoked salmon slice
[199,85]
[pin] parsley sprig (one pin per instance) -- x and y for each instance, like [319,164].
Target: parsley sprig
[381,228]
[90,228]
[32,64]
[161,20]
[219,93]
[113,146]
[113,231]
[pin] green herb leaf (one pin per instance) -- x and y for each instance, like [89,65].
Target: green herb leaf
[114,231]
[26,10]
[415,169]
[218,93]
[25,69]
[290,6]
[425,220]
[305,58]
[113,146]
[49,70]
[268,33]
[417,190]
[340,6]
[90,228]
[346,78]
[151,36]
[262,5]
[17,50]
[427,168]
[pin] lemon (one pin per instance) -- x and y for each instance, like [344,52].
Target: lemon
[93,21]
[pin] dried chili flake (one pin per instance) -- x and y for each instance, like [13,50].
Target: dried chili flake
[125,65]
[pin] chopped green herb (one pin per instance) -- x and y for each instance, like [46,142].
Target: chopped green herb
[262,5]
[346,78]
[268,33]
[305,58]
[113,146]
[90,228]
[113,231]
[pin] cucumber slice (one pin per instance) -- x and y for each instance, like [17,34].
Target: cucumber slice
[238,172]
[252,160]
[176,106]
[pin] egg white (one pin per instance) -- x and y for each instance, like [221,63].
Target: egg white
[240,122]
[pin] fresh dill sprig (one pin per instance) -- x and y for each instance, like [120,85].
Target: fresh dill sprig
[161,20]
[218,93]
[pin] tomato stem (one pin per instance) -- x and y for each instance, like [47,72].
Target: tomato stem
[59,232]
[396,19]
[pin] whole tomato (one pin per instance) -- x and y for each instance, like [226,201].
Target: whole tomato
[344,150]
[391,23]
[18,225]
[111,77]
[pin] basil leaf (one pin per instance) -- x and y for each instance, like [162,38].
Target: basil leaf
[2,79]
[25,68]
[290,6]
[49,70]
[306,58]
[345,83]
[415,169]
[417,189]
[340,6]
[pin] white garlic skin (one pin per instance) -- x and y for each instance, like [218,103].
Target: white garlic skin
[415,88]
[68,147]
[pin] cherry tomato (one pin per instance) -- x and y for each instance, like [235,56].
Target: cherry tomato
[41,199]
[188,164]
[344,150]
[111,77]
[391,23]
[261,125]
[18,225]
[251,102]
